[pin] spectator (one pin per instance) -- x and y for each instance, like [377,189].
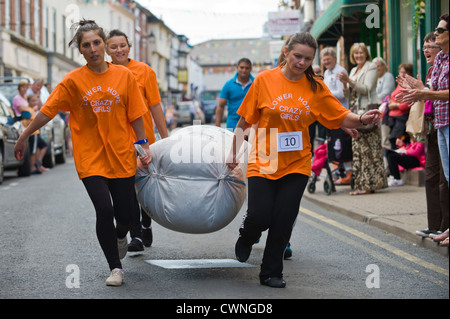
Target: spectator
[35,88]
[436,186]
[398,112]
[19,102]
[406,155]
[368,168]
[233,93]
[333,69]
[385,86]
[438,92]
[386,81]
[38,147]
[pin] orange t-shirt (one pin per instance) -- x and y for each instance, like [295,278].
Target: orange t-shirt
[146,79]
[102,106]
[283,110]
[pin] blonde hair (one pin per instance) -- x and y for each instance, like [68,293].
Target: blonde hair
[355,47]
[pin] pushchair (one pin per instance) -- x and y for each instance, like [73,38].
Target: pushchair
[336,150]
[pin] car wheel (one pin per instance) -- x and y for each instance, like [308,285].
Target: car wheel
[49,158]
[2,168]
[61,157]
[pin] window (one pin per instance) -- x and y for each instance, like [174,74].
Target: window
[27,19]
[45,23]
[16,16]
[37,22]
[7,14]
[54,29]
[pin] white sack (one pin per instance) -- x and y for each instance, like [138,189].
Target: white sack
[187,187]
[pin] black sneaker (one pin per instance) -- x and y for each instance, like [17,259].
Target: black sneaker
[242,250]
[135,245]
[147,237]
[274,282]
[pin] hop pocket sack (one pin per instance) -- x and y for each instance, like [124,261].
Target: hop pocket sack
[188,187]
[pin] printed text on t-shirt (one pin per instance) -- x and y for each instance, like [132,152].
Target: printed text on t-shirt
[104,103]
[293,113]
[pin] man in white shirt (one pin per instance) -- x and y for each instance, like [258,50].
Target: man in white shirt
[329,61]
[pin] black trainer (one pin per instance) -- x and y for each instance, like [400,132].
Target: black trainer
[274,282]
[242,250]
[135,245]
[147,237]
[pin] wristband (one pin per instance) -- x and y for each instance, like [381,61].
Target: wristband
[142,141]
[360,120]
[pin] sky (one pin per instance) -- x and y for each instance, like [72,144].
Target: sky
[202,20]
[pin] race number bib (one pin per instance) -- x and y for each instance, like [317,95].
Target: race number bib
[290,141]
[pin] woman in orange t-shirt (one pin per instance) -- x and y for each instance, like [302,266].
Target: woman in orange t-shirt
[106,112]
[282,103]
[118,47]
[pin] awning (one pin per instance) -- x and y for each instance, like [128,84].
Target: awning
[328,27]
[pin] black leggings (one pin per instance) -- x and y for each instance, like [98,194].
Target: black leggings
[273,205]
[112,199]
[406,161]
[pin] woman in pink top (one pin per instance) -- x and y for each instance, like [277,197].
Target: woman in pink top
[407,156]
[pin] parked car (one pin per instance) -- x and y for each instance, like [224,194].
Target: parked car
[53,133]
[209,101]
[10,129]
[184,113]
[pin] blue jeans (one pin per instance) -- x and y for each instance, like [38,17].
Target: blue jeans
[443,148]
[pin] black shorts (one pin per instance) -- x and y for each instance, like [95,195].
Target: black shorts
[35,142]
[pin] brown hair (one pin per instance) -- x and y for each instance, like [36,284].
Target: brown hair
[444,17]
[85,26]
[301,38]
[118,33]
[408,68]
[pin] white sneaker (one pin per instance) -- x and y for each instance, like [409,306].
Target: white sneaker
[122,245]
[395,182]
[116,277]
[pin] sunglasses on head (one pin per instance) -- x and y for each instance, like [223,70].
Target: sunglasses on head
[440,30]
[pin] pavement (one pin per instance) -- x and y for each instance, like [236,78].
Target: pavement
[399,210]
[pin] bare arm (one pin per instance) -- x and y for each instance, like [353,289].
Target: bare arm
[139,130]
[160,119]
[412,95]
[353,121]
[240,132]
[219,110]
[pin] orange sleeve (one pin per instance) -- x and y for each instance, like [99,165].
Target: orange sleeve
[330,112]
[249,108]
[136,104]
[151,88]
[59,100]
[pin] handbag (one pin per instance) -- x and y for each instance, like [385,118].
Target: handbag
[416,124]
[371,106]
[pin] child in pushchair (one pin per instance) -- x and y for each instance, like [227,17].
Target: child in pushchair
[337,150]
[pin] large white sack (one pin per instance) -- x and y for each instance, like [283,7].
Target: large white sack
[187,187]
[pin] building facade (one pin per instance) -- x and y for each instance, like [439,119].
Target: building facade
[34,37]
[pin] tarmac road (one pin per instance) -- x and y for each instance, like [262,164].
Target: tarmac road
[49,250]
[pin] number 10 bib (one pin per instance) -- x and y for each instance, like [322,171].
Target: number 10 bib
[290,141]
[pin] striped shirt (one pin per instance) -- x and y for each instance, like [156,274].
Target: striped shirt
[439,82]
